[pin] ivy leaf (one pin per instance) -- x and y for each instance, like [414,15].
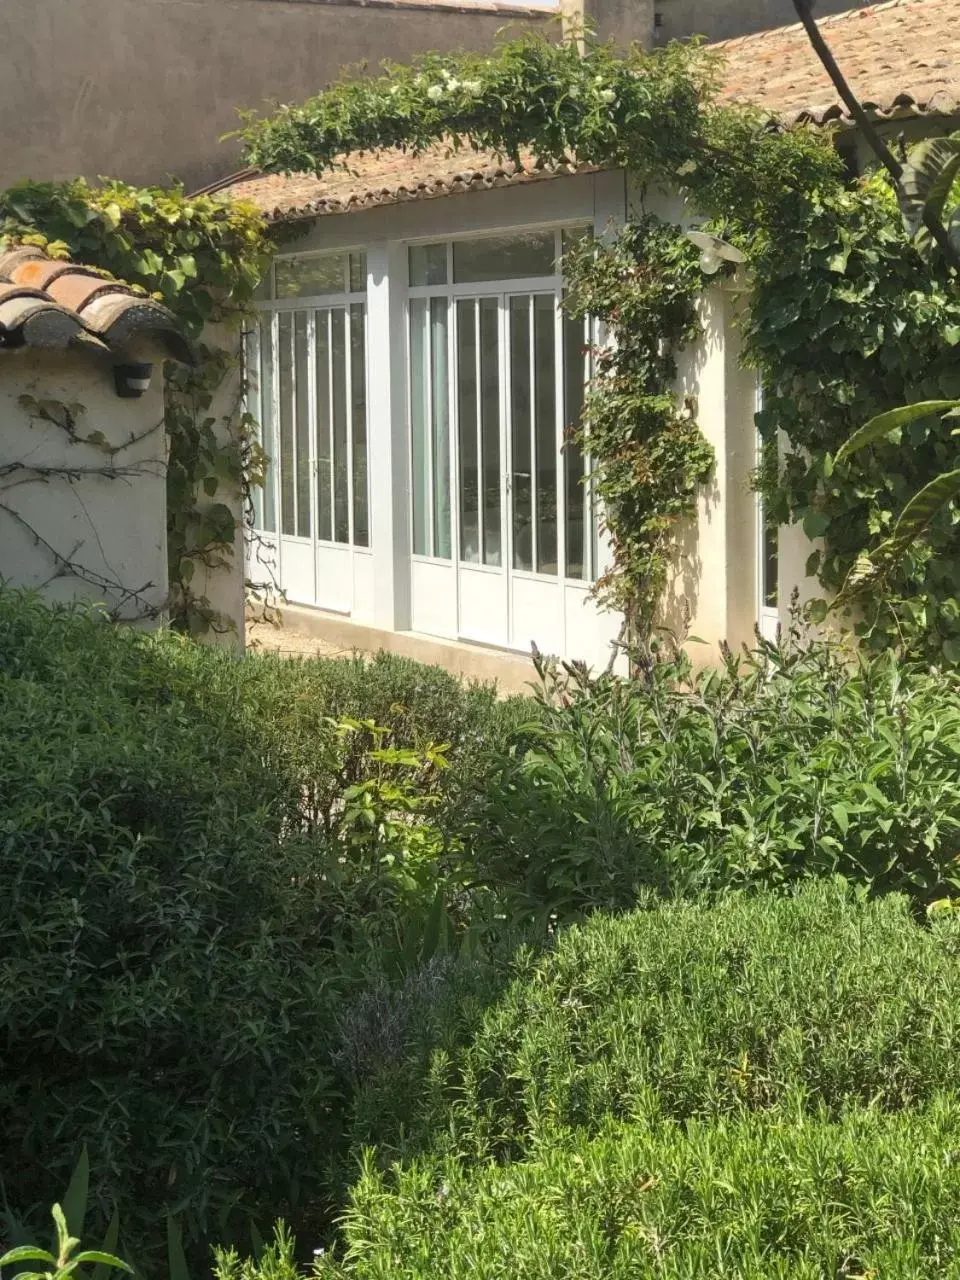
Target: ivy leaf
[816,524]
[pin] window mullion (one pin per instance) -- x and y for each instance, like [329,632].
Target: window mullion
[560,483]
[328,321]
[348,384]
[534,460]
[481,514]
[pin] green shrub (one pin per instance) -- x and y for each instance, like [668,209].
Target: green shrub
[786,763]
[199,860]
[763,1088]
[751,1197]
[814,1000]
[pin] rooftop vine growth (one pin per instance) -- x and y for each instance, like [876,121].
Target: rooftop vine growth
[845,318]
[203,258]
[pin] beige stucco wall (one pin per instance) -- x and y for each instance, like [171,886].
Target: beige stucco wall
[110,527]
[143,89]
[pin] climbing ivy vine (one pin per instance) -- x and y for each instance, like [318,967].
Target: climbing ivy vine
[845,318]
[203,258]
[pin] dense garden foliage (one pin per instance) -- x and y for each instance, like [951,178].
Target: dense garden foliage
[258,917]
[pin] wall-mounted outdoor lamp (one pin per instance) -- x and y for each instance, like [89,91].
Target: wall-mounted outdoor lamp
[132,379]
[714,252]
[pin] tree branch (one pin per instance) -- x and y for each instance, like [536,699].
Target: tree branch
[880,149]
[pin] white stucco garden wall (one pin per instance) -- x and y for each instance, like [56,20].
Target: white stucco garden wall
[83,518]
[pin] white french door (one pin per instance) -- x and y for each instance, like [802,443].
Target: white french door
[503,530]
[307,388]
[509,451]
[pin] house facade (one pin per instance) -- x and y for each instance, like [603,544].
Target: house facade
[417,379]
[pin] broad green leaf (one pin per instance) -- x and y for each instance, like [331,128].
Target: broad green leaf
[927,177]
[105,1259]
[921,510]
[75,1197]
[176,1259]
[841,817]
[816,524]
[951,650]
[27,1253]
[884,423]
[109,1245]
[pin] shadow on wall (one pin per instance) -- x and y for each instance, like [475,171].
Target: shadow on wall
[720,19]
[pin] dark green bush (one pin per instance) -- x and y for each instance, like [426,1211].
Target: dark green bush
[808,1001]
[186,886]
[786,763]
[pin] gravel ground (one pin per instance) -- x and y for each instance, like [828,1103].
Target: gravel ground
[289,643]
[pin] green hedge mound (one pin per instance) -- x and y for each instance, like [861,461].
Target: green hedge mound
[755,1197]
[817,1000]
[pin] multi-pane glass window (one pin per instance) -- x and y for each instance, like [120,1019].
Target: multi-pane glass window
[497,376]
[768,532]
[306,380]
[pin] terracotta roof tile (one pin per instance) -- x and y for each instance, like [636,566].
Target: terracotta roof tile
[387,177]
[902,58]
[48,303]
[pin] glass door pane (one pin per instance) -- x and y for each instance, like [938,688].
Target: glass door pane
[341,456]
[579,516]
[545,431]
[521,434]
[324,428]
[268,426]
[420,425]
[302,402]
[288,489]
[358,424]
[468,423]
[430,427]
[440,404]
[490,470]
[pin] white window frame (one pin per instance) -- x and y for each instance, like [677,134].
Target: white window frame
[312,304]
[502,289]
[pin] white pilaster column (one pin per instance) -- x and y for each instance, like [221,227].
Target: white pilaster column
[388,460]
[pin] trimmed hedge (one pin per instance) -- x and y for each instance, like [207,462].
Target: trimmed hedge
[818,1000]
[755,1197]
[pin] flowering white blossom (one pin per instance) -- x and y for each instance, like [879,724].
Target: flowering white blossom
[608,95]
[472,86]
[394,91]
[453,84]
[573,91]
[434,92]
[598,79]
[446,74]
